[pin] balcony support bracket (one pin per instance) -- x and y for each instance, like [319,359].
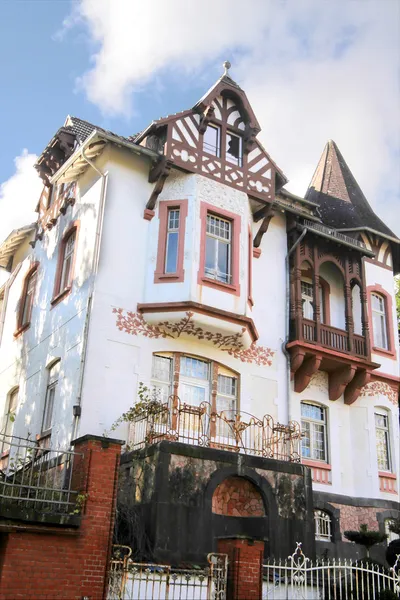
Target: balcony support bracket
[353,389]
[309,366]
[339,379]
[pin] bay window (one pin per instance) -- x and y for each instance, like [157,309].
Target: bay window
[171,241]
[379,321]
[218,259]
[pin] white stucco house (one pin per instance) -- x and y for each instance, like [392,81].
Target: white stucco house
[178,259]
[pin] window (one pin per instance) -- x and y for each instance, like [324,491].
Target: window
[382,441]
[379,321]
[218,249]
[323,526]
[226,394]
[27,299]
[211,140]
[194,385]
[234,149]
[391,536]
[171,251]
[9,415]
[65,267]
[307,298]
[171,241]
[313,425]
[161,377]
[53,375]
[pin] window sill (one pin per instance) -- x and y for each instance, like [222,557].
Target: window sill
[227,287]
[21,329]
[60,296]
[169,277]
[316,464]
[383,352]
[387,474]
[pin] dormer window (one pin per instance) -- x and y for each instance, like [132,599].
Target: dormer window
[234,149]
[212,140]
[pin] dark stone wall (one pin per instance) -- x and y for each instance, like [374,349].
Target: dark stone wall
[166,490]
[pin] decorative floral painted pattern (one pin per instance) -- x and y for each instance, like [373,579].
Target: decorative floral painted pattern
[135,324]
[380,387]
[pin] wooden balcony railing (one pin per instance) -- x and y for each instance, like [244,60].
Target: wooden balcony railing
[226,430]
[333,337]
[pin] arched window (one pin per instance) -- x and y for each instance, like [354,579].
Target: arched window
[323,526]
[379,321]
[314,428]
[26,304]
[195,380]
[8,419]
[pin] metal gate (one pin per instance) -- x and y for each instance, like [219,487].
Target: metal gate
[129,580]
[299,577]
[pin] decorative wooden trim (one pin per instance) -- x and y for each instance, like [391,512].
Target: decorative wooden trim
[158,174]
[210,311]
[58,294]
[257,252]
[148,214]
[21,327]
[202,279]
[353,389]
[308,367]
[159,275]
[339,379]
[391,352]
[377,263]
[263,227]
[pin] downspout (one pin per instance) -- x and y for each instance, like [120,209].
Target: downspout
[77,409]
[287,319]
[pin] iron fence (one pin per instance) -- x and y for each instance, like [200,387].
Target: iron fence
[227,430]
[299,577]
[129,580]
[37,476]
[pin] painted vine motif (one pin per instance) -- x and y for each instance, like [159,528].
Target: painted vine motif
[135,324]
[379,387]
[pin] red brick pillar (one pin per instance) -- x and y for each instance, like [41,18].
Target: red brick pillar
[99,469]
[245,559]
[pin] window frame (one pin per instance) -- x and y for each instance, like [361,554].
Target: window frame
[382,412]
[218,128]
[220,242]
[378,290]
[160,274]
[312,459]
[239,159]
[50,386]
[327,518]
[58,293]
[23,326]
[234,286]
[14,392]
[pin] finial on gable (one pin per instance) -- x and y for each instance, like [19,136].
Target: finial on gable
[227,65]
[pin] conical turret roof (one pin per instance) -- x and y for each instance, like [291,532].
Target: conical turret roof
[340,198]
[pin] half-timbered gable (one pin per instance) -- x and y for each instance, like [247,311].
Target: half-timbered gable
[217,139]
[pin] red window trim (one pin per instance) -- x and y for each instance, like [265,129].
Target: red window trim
[378,289]
[21,327]
[250,271]
[164,206]
[202,279]
[58,294]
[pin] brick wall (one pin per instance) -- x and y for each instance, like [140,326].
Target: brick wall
[245,559]
[351,517]
[52,562]
[237,497]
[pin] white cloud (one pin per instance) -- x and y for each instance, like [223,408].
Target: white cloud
[313,70]
[19,195]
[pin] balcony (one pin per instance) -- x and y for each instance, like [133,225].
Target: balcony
[226,430]
[334,338]
[36,483]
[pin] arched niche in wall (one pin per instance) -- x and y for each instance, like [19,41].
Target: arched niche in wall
[331,273]
[357,308]
[238,497]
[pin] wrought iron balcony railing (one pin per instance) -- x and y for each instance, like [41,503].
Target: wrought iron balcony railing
[36,477]
[226,430]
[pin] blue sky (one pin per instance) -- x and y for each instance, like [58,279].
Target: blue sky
[313,70]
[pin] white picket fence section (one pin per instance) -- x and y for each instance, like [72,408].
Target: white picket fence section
[300,578]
